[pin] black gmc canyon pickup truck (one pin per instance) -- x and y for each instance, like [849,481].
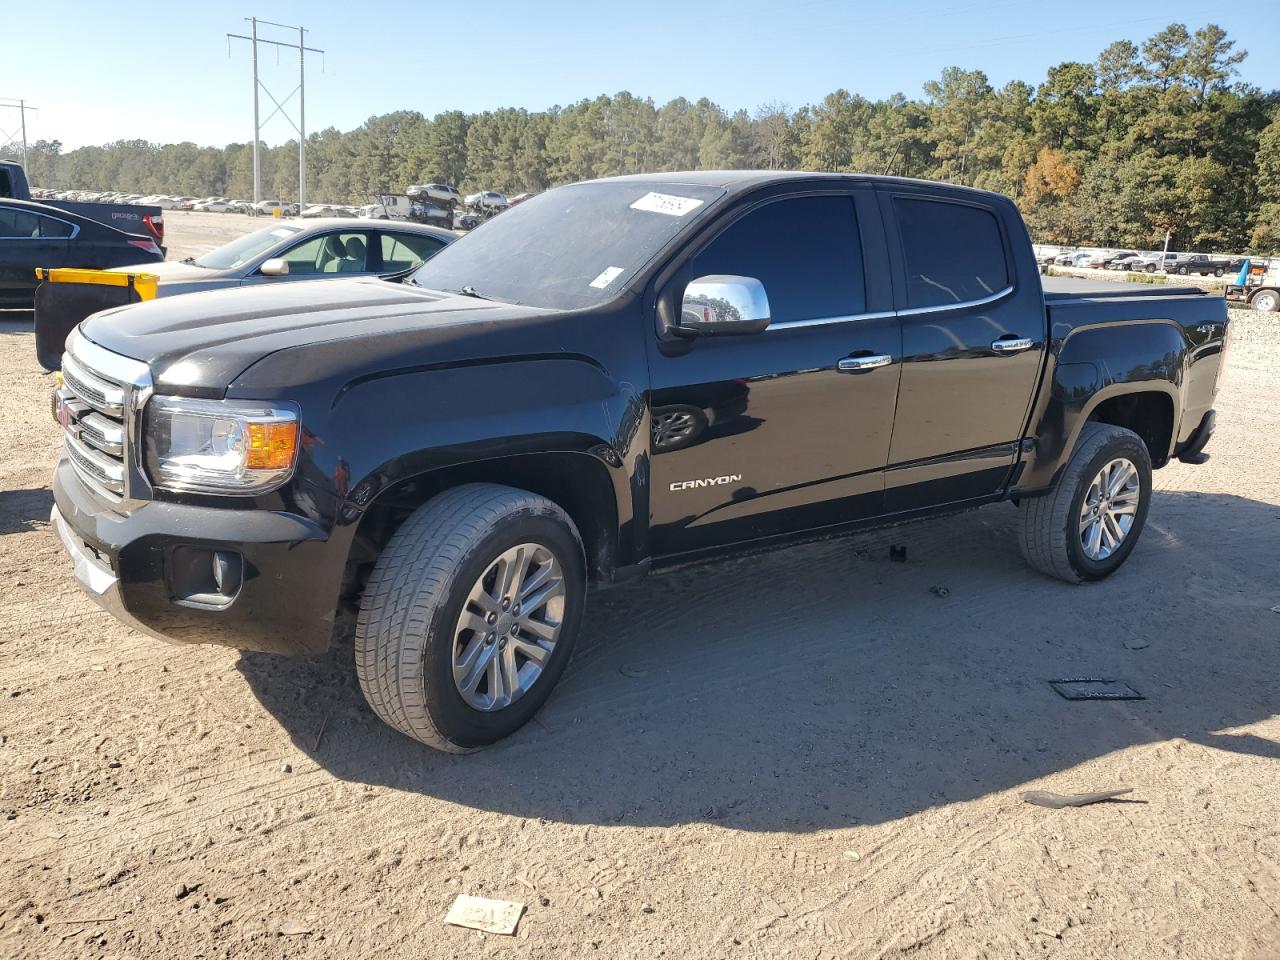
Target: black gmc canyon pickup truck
[613,376]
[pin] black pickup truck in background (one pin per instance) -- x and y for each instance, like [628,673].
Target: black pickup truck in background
[612,377]
[130,218]
[1202,264]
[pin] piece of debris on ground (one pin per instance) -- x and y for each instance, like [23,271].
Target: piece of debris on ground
[1045,798]
[1094,688]
[481,913]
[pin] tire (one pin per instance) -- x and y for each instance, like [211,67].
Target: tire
[1219,272]
[1182,271]
[408,629]
[1266,301]
[1151,268]
[1051,537]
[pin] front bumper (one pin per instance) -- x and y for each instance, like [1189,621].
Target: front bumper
[129,563]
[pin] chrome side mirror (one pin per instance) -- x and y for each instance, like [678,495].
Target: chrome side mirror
[723,305]
[275,267]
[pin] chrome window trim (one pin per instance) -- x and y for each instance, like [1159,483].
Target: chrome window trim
[823,321]
[938,308]
[886,314]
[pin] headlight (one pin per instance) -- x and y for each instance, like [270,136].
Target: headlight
[219,446]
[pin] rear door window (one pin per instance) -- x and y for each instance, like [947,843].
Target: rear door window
[805,250]
[953,252]
[404,251]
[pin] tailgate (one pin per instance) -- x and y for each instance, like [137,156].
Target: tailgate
[66,296]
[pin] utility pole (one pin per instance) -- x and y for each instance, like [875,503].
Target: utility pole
[302,120]
[257,137]
[22,108]
[300,90]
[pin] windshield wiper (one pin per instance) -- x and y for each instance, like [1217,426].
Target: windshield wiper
[470,291]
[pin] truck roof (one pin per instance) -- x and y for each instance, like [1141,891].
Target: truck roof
[737,180]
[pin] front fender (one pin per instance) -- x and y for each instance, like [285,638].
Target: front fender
[392,426]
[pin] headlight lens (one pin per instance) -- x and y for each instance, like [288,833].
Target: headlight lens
[219,446]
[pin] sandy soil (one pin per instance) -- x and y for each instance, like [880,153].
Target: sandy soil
[807,754]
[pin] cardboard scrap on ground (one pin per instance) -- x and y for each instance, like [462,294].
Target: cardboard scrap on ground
[481,913]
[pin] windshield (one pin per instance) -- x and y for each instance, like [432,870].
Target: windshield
[241,251]
[571,247]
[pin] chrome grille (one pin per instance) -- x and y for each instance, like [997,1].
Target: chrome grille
[98,400]
[97,469]
[93,390]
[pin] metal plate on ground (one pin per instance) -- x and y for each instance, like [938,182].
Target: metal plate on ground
[1094,688]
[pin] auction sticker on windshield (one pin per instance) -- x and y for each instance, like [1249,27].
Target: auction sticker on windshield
[672,206]
[606,277]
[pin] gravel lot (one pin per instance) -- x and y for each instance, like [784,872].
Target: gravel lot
[807,754]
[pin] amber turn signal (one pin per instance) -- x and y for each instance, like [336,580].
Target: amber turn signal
[271,445]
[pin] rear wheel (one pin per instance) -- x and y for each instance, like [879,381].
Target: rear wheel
[1219,272]
[1088,525]
[470,616]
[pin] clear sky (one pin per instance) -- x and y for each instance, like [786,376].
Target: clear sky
[101,71]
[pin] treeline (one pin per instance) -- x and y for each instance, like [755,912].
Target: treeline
[1146,140]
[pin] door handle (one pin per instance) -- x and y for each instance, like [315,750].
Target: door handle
[1016,345]
[863,364]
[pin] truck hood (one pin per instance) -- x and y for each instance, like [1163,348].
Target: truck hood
[199,344]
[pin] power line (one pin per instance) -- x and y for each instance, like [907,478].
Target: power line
[10,138]
[300,90]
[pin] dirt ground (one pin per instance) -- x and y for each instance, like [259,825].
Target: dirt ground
[807,754]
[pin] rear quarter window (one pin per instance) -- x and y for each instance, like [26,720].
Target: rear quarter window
[952,252]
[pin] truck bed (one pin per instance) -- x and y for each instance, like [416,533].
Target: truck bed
[1059,289]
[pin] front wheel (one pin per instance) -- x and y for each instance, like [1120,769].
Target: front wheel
[1183,271]
[470,616]
[1088,525]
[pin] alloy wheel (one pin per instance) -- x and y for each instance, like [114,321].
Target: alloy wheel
[508,627]
[1109,508]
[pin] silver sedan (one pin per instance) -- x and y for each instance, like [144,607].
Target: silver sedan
[316,250]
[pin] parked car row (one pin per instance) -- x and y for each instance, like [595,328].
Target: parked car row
[1181,264]
[437,204]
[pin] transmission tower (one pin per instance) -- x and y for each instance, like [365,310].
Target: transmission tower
[300,90]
